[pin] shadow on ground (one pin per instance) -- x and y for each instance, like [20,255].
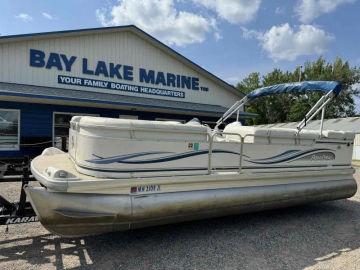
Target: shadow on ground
[292,238]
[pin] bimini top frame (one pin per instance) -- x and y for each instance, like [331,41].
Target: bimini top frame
[330,88]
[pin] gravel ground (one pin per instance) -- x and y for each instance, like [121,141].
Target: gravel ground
[318,236]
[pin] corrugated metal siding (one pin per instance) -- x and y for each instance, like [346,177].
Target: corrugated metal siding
[356,152]
[357,140]
[124,48]
[51,95]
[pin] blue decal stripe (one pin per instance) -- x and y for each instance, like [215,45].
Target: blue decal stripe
[286,153]
[288,158]
[125,160]
[205,168]
[306,155]
[108,160]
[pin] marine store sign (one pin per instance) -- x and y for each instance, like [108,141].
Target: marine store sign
[157,81]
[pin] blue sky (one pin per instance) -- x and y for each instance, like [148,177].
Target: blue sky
[230,38]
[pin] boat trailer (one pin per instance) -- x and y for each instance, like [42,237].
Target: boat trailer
[20,211]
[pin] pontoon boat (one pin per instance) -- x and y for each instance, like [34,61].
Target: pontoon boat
[124,174]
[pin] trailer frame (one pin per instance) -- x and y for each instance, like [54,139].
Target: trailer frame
[20,211]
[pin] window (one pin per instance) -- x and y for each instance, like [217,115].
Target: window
[61,125]
[9,129]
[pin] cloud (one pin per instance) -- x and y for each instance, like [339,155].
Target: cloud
[308,10]
[24,17]
[285,43]
[47,15]
[233,11]
[161,19]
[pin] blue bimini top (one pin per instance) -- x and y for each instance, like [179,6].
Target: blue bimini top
[298,87]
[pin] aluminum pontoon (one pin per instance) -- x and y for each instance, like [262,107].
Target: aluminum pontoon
[125,174]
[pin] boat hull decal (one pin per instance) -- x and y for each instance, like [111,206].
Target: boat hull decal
[130,158]
[182,169]
[292,155]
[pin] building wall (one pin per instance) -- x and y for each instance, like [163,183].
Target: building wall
[356,152]
[36,123]
[124,47]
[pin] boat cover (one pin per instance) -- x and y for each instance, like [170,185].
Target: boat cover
[299,87]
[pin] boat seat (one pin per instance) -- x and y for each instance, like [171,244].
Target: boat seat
[131,124]
[101,127]
[260,134]
[338,134]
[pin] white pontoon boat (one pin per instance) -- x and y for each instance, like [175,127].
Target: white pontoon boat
[125,174]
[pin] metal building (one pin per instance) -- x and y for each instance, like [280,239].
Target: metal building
[46,78]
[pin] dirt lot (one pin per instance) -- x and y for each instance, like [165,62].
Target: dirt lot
[318,236]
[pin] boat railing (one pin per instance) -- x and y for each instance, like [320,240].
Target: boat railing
[241,141]
[211,145]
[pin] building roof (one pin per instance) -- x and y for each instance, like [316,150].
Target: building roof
[347,124]
[52,95]
[131,28]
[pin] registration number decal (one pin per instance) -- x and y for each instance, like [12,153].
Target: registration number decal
[147,188]
[193,146]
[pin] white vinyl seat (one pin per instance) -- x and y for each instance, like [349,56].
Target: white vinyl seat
[259,134]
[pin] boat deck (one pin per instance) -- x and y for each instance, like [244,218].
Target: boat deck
[63,162]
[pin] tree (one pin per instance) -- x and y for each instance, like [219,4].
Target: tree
[293,107]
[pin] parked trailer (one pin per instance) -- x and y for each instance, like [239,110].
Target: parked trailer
[20,211]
